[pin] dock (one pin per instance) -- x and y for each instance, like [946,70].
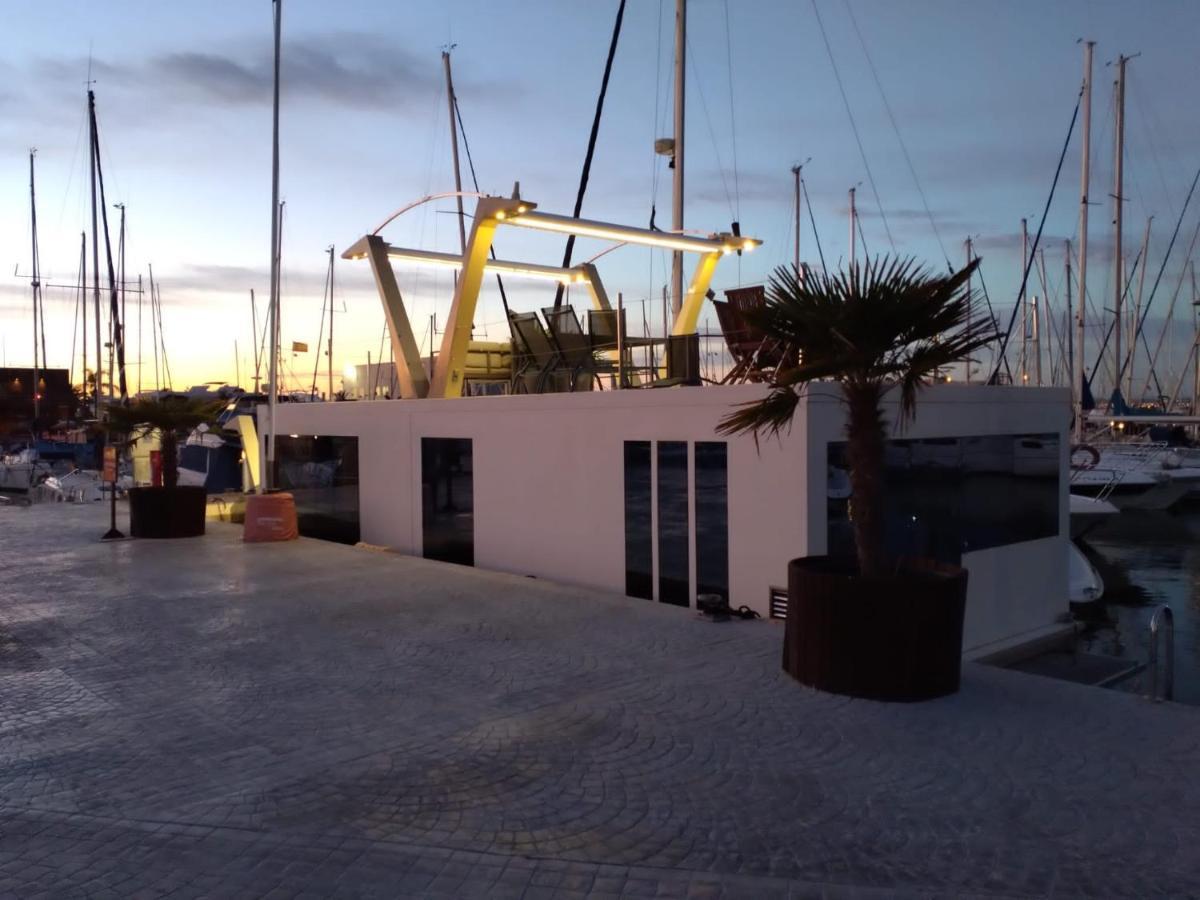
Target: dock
[206,717]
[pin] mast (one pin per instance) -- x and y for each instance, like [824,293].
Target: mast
[329,365]
[154,328]
[1118,187]
[1067,318]
[1024,301]
[677,182]
[95,245]
[796,177]
[1084,187]
[1137,311]
[853,230]
[139,363]
[462,227]
[37,289]
[121,270]
[83,299]
[970,303]
[272,400]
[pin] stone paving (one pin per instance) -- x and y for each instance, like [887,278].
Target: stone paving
[206,718]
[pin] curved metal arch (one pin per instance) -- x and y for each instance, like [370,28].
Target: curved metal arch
[698,232]
[426,199]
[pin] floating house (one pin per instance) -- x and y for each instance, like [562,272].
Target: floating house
[598,463]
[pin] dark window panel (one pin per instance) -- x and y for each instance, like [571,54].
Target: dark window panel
[448,500]
[321,473]
[639,561]
[948,496]
[712,518]
[673,552]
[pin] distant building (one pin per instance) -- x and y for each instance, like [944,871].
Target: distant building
[55,394]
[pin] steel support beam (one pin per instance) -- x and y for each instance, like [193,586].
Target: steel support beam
[410,369]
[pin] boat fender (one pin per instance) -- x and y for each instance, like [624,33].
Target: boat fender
[1091,462]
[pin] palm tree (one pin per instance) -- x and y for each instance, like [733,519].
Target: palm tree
[888,324]
[173,418]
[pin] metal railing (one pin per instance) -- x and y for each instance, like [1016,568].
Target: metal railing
[1162,620]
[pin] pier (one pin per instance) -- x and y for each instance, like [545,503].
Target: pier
[182,718]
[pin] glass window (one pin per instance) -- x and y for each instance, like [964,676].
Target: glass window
[712,518]
[447,500]
[944,497]
[321,473]
[639,563]
[673,553]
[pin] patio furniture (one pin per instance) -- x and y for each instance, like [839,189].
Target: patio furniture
[573,345]
[536,360]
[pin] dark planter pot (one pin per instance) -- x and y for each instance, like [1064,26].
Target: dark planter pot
[893,637]
[159,512]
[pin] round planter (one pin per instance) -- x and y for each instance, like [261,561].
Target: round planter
[160,512]
[894,637]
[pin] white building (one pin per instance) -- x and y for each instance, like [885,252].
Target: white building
[634,491]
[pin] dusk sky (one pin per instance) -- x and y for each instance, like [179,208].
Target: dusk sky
[982,93]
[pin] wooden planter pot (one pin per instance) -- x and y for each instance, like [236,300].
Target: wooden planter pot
[894,637]
[159,512]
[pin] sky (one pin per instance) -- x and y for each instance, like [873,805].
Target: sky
[960,110]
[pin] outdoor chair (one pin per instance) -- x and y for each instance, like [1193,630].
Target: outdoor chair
[573,345]
[539,359]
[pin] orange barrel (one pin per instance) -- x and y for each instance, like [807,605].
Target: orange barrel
[270,517]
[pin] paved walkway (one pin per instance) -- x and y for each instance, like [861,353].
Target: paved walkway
[203,717]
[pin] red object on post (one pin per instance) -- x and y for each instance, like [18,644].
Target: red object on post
[156,468]
[110,465]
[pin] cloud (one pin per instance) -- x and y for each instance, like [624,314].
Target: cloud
[226,279]
[354,69]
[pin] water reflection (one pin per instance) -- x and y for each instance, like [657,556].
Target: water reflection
[1149,558]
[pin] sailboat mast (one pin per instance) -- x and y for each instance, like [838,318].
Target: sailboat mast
[139,357]
[853,229]
[462,226]
[1084,187]
[329,362]
[1070,368]
[272,401]
[37,287]
[83,303]
[1024,301]
[1118,199]
[1137,311]
[796,255]
[254,338]
[970,304]
[677,182]
[95,244]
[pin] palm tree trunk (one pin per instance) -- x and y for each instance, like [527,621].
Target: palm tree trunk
[169,445]
[864,452]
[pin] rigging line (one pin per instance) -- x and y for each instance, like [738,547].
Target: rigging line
[813,221]
[325,298]
[737,193]
[1137,259]
[899,137]
[1041,225]
[462,131]
[853,125]
[712,134]
[1149,128]
[987,298]
[654,166]
[1158,278]
[591,147]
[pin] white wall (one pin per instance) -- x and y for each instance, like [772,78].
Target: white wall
[549,483]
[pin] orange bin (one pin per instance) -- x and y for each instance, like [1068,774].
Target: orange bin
[270,517]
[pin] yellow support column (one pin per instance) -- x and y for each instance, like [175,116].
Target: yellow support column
[449,370]
[689,312]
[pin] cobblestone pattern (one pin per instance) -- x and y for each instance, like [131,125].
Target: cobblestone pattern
[202,717]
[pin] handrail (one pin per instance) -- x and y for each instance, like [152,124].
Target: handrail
[1163,614]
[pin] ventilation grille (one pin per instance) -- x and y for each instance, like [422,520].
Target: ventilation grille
[778,603]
